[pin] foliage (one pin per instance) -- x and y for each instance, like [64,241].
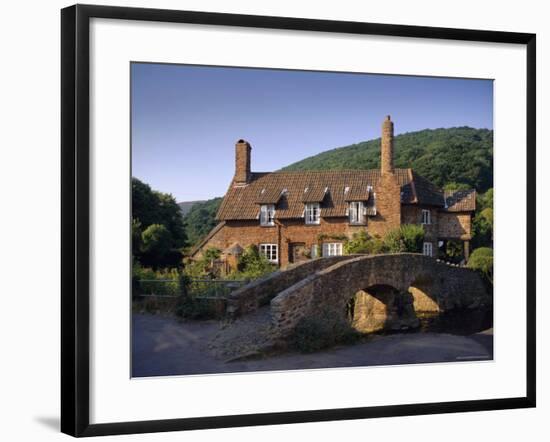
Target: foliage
[202,267]
[252,265]
[485,200]
[156,241]
[460,154]
[165,282]
[482,260]
[323,330]
[454,251]
[158,246]
[362,242]
[336,236]
[200,220]
[454,186]
[407,238]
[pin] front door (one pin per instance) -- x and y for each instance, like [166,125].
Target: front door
[297,252]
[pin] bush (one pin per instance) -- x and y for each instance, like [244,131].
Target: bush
[407,238]
[165,282]
[482,260]
[321,331]
[202,267]
[362,242]
[252,265]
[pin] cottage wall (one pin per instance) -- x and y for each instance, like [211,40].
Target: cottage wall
[456,225]
[286,232]
[413,215]
[388,206]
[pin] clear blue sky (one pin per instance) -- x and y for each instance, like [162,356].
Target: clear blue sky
[186,119]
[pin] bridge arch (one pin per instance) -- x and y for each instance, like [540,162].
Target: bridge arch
[403,283]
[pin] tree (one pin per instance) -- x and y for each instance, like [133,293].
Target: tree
[157,247]
[454,186]
[481,259]
[156,242]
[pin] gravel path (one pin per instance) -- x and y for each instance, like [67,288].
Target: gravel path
[164,346]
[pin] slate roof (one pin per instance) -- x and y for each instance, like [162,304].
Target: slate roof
[460,201]
[287,191]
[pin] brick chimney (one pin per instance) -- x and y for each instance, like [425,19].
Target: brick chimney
[242,163]
[386,159]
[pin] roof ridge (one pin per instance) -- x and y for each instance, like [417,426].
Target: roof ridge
[328,170]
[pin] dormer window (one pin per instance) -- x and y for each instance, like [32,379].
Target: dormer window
[426,217]
[356,212]
[267,215]
[313,213]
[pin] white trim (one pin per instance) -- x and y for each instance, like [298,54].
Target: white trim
[426,216]
[427,249]
[270,252]
[267,215]
[360,212]
[332,249]
[312,213]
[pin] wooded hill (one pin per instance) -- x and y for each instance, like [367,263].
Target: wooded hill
[455,155]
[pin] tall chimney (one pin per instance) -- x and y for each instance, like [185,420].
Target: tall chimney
[386,160]
[242,163]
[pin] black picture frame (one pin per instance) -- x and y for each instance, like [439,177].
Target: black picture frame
[75,211]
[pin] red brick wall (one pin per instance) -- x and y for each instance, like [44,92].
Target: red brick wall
[389,216]
[284,233]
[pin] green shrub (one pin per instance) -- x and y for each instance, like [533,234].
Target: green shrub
[321,331]
[482,260]
[252,265]
[202,268]
[362,242]
[165,282]
[407,238]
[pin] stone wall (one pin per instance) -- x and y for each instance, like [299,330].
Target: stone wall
[260,292]
[388,206]
[449,287]
[455,226]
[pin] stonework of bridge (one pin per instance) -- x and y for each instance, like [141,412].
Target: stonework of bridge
[371,292]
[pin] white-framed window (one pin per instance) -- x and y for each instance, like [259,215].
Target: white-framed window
[270,251]
[356,212]
[427,249]
[313,213]
[267,215]
[426,217]
[332,249]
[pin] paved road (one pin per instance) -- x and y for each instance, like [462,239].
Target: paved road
[163,346]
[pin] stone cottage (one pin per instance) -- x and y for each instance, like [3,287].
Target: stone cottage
[299,215]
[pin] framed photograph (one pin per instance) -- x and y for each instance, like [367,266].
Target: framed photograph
[272,220]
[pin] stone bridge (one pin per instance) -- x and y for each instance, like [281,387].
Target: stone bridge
[371,292]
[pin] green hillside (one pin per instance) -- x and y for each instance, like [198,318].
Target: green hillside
[455,155]
[200,219]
